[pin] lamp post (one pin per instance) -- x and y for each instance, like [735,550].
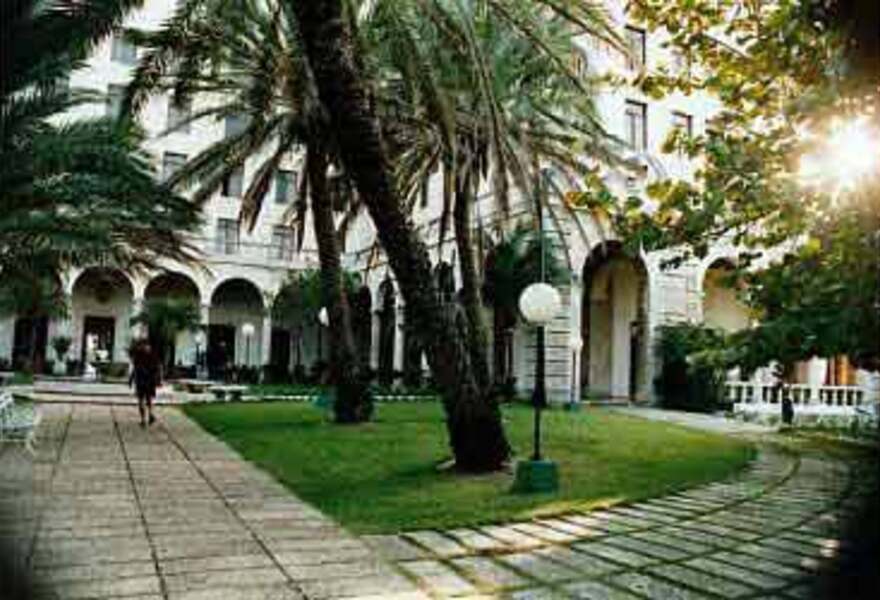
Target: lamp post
[539,303]
[323,321]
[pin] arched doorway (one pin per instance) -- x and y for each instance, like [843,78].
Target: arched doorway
[181,296]
[614,323]
[722,308]
[101,304]
[235,328]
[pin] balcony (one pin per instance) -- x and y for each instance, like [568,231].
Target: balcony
[282,256]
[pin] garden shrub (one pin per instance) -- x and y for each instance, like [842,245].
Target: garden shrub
[692,372]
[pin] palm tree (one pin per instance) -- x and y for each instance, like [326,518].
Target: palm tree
[164,319]
[82,191]
[247,53]
[327,31]
[482,106]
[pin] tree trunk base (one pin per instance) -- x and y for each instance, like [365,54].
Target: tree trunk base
[353,403]
[478,443]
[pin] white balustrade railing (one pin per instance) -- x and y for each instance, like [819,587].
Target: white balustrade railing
[245,252]
[830,399]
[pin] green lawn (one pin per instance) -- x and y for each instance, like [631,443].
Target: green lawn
[383,476]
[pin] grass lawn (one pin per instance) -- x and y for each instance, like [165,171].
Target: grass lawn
[383,477]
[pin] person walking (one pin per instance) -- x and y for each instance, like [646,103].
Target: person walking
[146,374]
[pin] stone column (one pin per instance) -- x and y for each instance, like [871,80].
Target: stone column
[265,341]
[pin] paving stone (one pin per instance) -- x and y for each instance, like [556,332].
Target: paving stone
[542,532]
[103,588]
[437,543]
[512,537]
[748,561]
[701,581]
[269,592]
[538,593]
[579,561]
[678,543]
[615,554]
[539,567]
[394,547]
[475,540]
[594,590]
[215,563]
[489,573]
[230,578]
[654,587]
[753,576]
[438,578]
[659,551]
[334,570]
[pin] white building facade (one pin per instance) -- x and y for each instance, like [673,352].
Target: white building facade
[600,345]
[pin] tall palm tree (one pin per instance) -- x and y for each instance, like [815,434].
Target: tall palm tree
[476,101]
[81,191]
[327,30]
[246,53]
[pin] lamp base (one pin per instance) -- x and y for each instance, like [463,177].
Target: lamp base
[572,406]
[534,476]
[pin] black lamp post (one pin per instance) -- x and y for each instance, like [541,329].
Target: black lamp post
[539,304]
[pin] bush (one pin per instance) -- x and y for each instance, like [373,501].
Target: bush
[692,372]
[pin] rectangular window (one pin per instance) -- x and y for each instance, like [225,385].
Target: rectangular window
[115,94]
[285,186]
[425,192]
[636,133]
[683,121]
[177,114]
[283,242]
[233,185]
[122,51]
[171,163]
[235,125]
[635,42]
[227,236]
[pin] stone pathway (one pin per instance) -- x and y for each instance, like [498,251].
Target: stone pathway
[762,534]
[109,510]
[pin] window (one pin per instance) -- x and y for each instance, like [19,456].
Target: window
[683,121]
[177,114]
[227,236]
[122,51]
[171,163]
[233,185]
[235,124]
[283,239]
[636,133]
[425,193]
[635,42]
[115,94]
[285,183]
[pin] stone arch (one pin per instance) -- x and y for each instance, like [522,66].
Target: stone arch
[236,303]
[185,349]
[614,324]
[102,300]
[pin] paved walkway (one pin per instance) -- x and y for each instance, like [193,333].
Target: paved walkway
[763,534]
[108,510]
[713,423]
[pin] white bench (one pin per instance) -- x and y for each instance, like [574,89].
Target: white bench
[18,423]
[228,392]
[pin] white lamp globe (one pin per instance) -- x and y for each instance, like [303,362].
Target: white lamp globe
[575,343]
[323,317]
[539,303]
[200,338]
[248,329]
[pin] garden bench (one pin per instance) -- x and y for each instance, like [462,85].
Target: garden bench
[17,423]
[228,392]
[196,386]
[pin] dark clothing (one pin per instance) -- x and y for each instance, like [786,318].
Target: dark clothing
[145,376]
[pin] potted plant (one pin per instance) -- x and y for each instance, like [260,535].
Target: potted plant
[61,344]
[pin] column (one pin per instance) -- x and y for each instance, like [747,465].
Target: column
[266,341]
[137,305]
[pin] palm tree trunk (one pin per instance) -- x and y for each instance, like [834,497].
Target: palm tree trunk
[353,401]
[473,419]
[471,297]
